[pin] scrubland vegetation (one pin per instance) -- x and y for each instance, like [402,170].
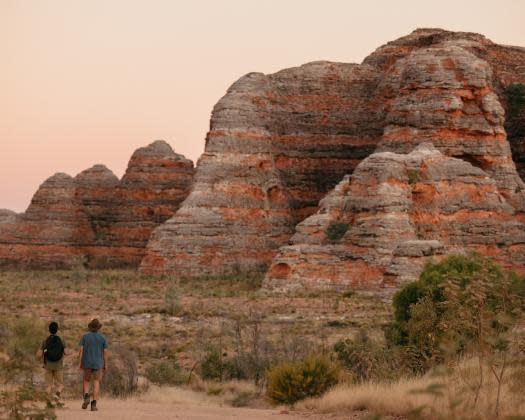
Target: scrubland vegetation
[450,345]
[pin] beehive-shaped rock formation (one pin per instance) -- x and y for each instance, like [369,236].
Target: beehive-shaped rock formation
[94,219]
[400,209]
[277,143]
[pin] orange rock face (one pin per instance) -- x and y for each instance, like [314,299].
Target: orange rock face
[96,219]
[278,143]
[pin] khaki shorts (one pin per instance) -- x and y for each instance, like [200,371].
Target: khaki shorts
[94,374]
[54,376]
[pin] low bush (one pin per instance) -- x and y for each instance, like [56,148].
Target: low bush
[289,382]
[336,230]
[166,372]
[413,176]
[367,360]
[121,378]
[26,402]
[459,304]
[216,366]
[172,305]
[21,339]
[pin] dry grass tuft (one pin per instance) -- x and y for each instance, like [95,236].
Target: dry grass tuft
[405,396]
[175,395]
[209,394]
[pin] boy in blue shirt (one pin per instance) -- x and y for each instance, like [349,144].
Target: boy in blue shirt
[93,361]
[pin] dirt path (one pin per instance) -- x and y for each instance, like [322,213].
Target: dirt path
[135,410]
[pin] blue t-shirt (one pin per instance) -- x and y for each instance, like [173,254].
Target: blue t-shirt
[94,344]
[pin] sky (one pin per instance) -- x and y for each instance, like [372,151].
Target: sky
[89,81]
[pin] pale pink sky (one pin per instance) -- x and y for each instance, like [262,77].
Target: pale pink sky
[89,81]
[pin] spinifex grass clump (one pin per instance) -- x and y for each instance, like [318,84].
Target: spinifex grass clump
[289,382]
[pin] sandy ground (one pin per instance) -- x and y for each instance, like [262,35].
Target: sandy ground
[135,410]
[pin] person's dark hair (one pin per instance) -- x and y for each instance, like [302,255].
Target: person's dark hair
[53,327]
[94,325]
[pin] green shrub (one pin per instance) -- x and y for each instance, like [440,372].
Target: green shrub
[431,283]
[26,402]
[367,360]
[336,231]
[24,336]
[289,382]
[166,372]
[217,367]
[444,310]
[413,176]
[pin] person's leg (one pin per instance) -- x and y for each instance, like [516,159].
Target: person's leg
[59,381]
[86,374]
[49,380]
[85,381]
[96,389]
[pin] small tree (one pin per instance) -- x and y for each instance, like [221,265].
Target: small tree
[463,303]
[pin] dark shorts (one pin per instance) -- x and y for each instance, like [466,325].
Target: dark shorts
[94,374]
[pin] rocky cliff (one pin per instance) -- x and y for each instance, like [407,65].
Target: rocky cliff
[96,219]
[278,143]
[394,212]
[276,146]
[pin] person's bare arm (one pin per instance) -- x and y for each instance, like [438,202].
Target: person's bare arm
[39,354]
[80,353]
[106,357]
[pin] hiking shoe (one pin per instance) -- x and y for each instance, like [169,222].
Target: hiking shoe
[56,400]
[86,401]
[94,406]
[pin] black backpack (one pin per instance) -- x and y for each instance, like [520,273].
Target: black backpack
[53,349]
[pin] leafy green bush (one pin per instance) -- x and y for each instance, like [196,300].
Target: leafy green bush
[289,382]
[413,176]
[217,367]
[166,372]
[336,231]
[459,302]
[367,360]
[23,337]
